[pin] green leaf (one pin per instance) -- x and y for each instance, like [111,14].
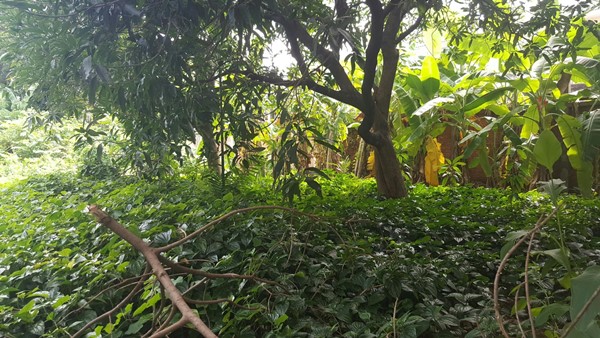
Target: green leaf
[407,104]
[531,122]
[481,102]
[137,326]
[484,161]
[430,77]
[318,172]
[583,288]
[427,106]
[315,186]
[433,41]
[551,310]
[547,149]
[28,313]
[591,135]
[415,84]
[281,319]
[569,129]
[149,303]
[61,301]
[558,255]
[585,179]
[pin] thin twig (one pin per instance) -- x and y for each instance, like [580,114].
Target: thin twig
[108,313]
[538,225]
[123,284]
[394,318]
[581,313]
[181,268]
[169,329]
[219,301]
[517,312]
[527,298]
[224,217]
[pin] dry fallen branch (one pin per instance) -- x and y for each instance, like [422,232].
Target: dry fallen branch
[138,287]
[157,264]
[226,216]
[180,268]
[188,315]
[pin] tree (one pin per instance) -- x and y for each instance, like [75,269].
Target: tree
[156,64]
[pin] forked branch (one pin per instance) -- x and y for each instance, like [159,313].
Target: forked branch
[188,316]
[157,264]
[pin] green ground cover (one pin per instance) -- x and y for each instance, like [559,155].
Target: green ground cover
[364,267]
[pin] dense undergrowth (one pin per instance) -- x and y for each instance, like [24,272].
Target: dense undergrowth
[419,266]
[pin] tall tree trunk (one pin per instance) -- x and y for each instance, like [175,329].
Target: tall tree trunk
[388,171]
[211,148]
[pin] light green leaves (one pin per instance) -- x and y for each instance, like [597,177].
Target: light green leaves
[430,77]
[547,149]
[569,129]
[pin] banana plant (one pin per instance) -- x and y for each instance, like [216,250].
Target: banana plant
[548,117]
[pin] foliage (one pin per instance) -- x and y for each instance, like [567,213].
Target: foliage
[25,150]
[416,266]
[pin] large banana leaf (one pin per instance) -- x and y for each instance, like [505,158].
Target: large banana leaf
[590,137]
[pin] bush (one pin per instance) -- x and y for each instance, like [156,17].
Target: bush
[420,266]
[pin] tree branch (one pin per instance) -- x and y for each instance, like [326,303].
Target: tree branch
[410,29]
[390,55]
[224,217]
[326,57]
[371,55]
[171,328]
[180,268]
[138,287]
[188,316]
[538,225]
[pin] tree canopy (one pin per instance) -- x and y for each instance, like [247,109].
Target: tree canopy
[170,71]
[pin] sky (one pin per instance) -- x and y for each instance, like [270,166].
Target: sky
[280,58]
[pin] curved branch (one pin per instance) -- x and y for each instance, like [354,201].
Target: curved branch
[526,283]
[171,328]
[538,225]
[188,316]
[339,95]
[296,32]
[410,29]
[210,275]
[371,56]
[138,287]
[219,301]
[224,217]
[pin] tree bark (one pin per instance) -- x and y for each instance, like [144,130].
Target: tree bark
[388,171]
[210,147]
[373,99]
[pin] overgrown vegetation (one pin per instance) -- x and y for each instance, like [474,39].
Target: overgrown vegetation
[420,266]
[509,88]
[168,115]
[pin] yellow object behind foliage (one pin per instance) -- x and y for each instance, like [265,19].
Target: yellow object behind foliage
[371,162]
[433,161]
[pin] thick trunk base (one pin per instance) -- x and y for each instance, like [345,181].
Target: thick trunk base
[388,172]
